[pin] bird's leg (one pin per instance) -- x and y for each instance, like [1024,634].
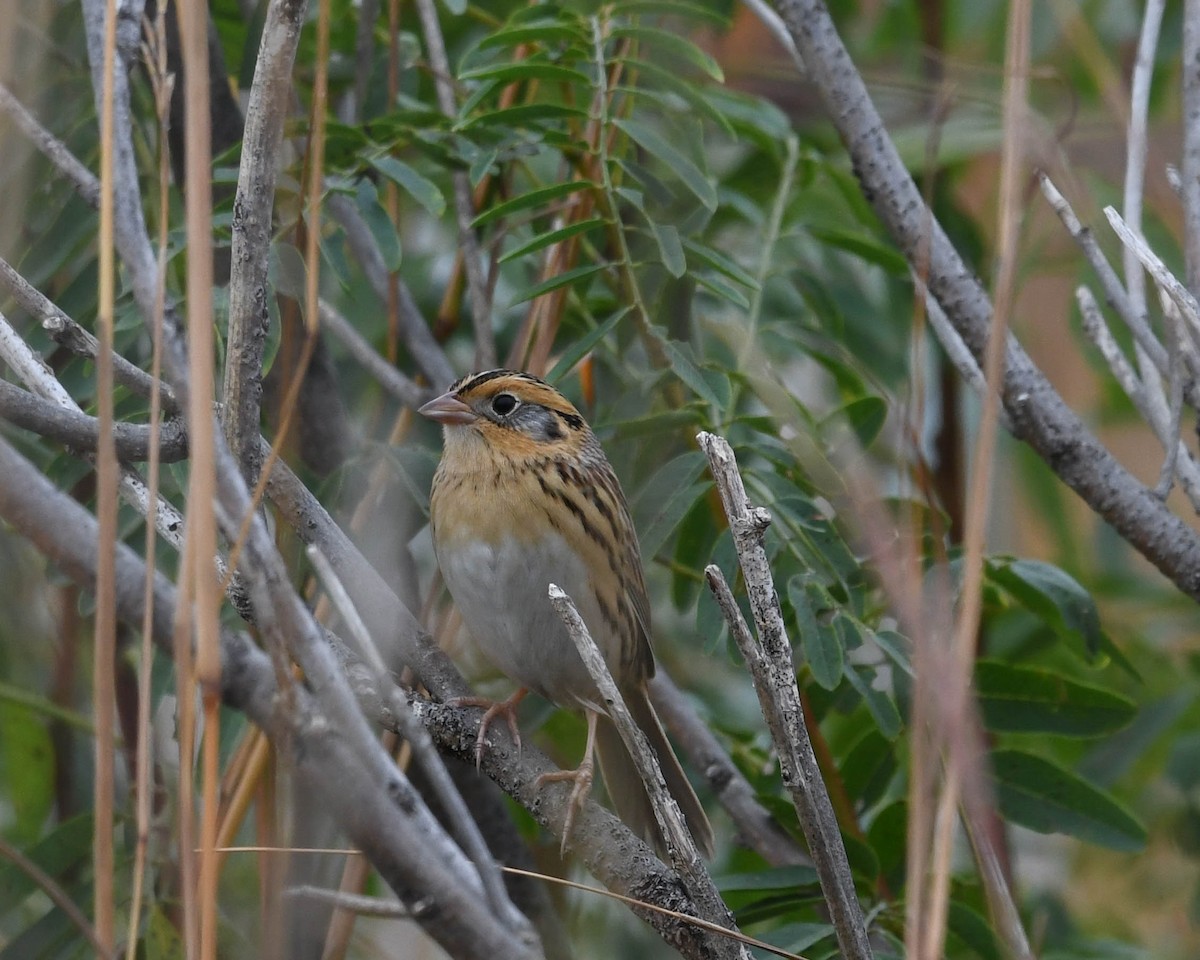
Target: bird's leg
[494,709]
[581,775]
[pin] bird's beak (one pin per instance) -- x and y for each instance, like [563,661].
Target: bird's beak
[448,409]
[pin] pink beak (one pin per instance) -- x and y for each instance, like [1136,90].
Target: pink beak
[448,409]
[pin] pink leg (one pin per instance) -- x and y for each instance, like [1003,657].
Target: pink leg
[582,777]
[495,708]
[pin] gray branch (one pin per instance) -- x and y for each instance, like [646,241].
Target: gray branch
[81,178]
[253,206]
[464,211]
[414,331]
[1038,414]
[375,805]
[757,829]
[684,854]
[770,664]
[392,380]
[78,431]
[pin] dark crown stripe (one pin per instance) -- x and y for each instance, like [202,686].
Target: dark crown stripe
[476,380]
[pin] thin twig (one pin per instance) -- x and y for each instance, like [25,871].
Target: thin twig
[360,904]
[414,331]
[1189,308]
[462,825]
[82,179]
[59,897]
[770,664]
[1190,164]
[1155,413]
[1110,283]
[464,206]
[684,853]
[756,827]
[392,380]
[956,351]
[77,430]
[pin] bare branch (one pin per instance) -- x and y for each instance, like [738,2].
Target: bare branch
[267,107]
[1110,283]
[82,179]
[414,331]
[1190,126]
[770,663]
[80,432]
[756,827]
[666,810]
[391,379]
[464,208]
[1037,412]
[360,904]
[418,737]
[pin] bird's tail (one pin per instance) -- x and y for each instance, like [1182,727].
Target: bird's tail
[625,786]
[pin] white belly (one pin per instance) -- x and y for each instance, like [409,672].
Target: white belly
[501,592]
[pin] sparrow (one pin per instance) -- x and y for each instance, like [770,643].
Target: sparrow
[524,497]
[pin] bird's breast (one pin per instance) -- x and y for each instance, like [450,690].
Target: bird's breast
[500,583]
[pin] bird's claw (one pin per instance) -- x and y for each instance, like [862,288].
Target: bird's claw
[494,708]
[582,777]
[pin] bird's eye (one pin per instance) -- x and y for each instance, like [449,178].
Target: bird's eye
[504,403]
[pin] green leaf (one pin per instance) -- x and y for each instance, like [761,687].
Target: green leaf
[1034,700]
[526,70]
[685,370]
[669,248]
[62,850]
[862,245]
[973,929]
[455,7]
[866,417]
[544,32]
[672,8]
[673,86]
[868,768]
[897,648]
[523,115]
[582,345]
[1053,595]
[1183,765]
[532,200]
[671,43]
[888,837]
[667,498]
[689,174]
[721,263]
[773,878]
[881,707]
[716,284]
[1043,796]
[554,236]
[26,758]
[286,270]
[564,279]
[418,186]
[379,224]
[821,645]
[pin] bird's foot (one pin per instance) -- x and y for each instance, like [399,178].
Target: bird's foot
[582,777]
[494,708]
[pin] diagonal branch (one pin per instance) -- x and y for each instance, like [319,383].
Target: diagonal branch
[1038,413]
[770,664]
